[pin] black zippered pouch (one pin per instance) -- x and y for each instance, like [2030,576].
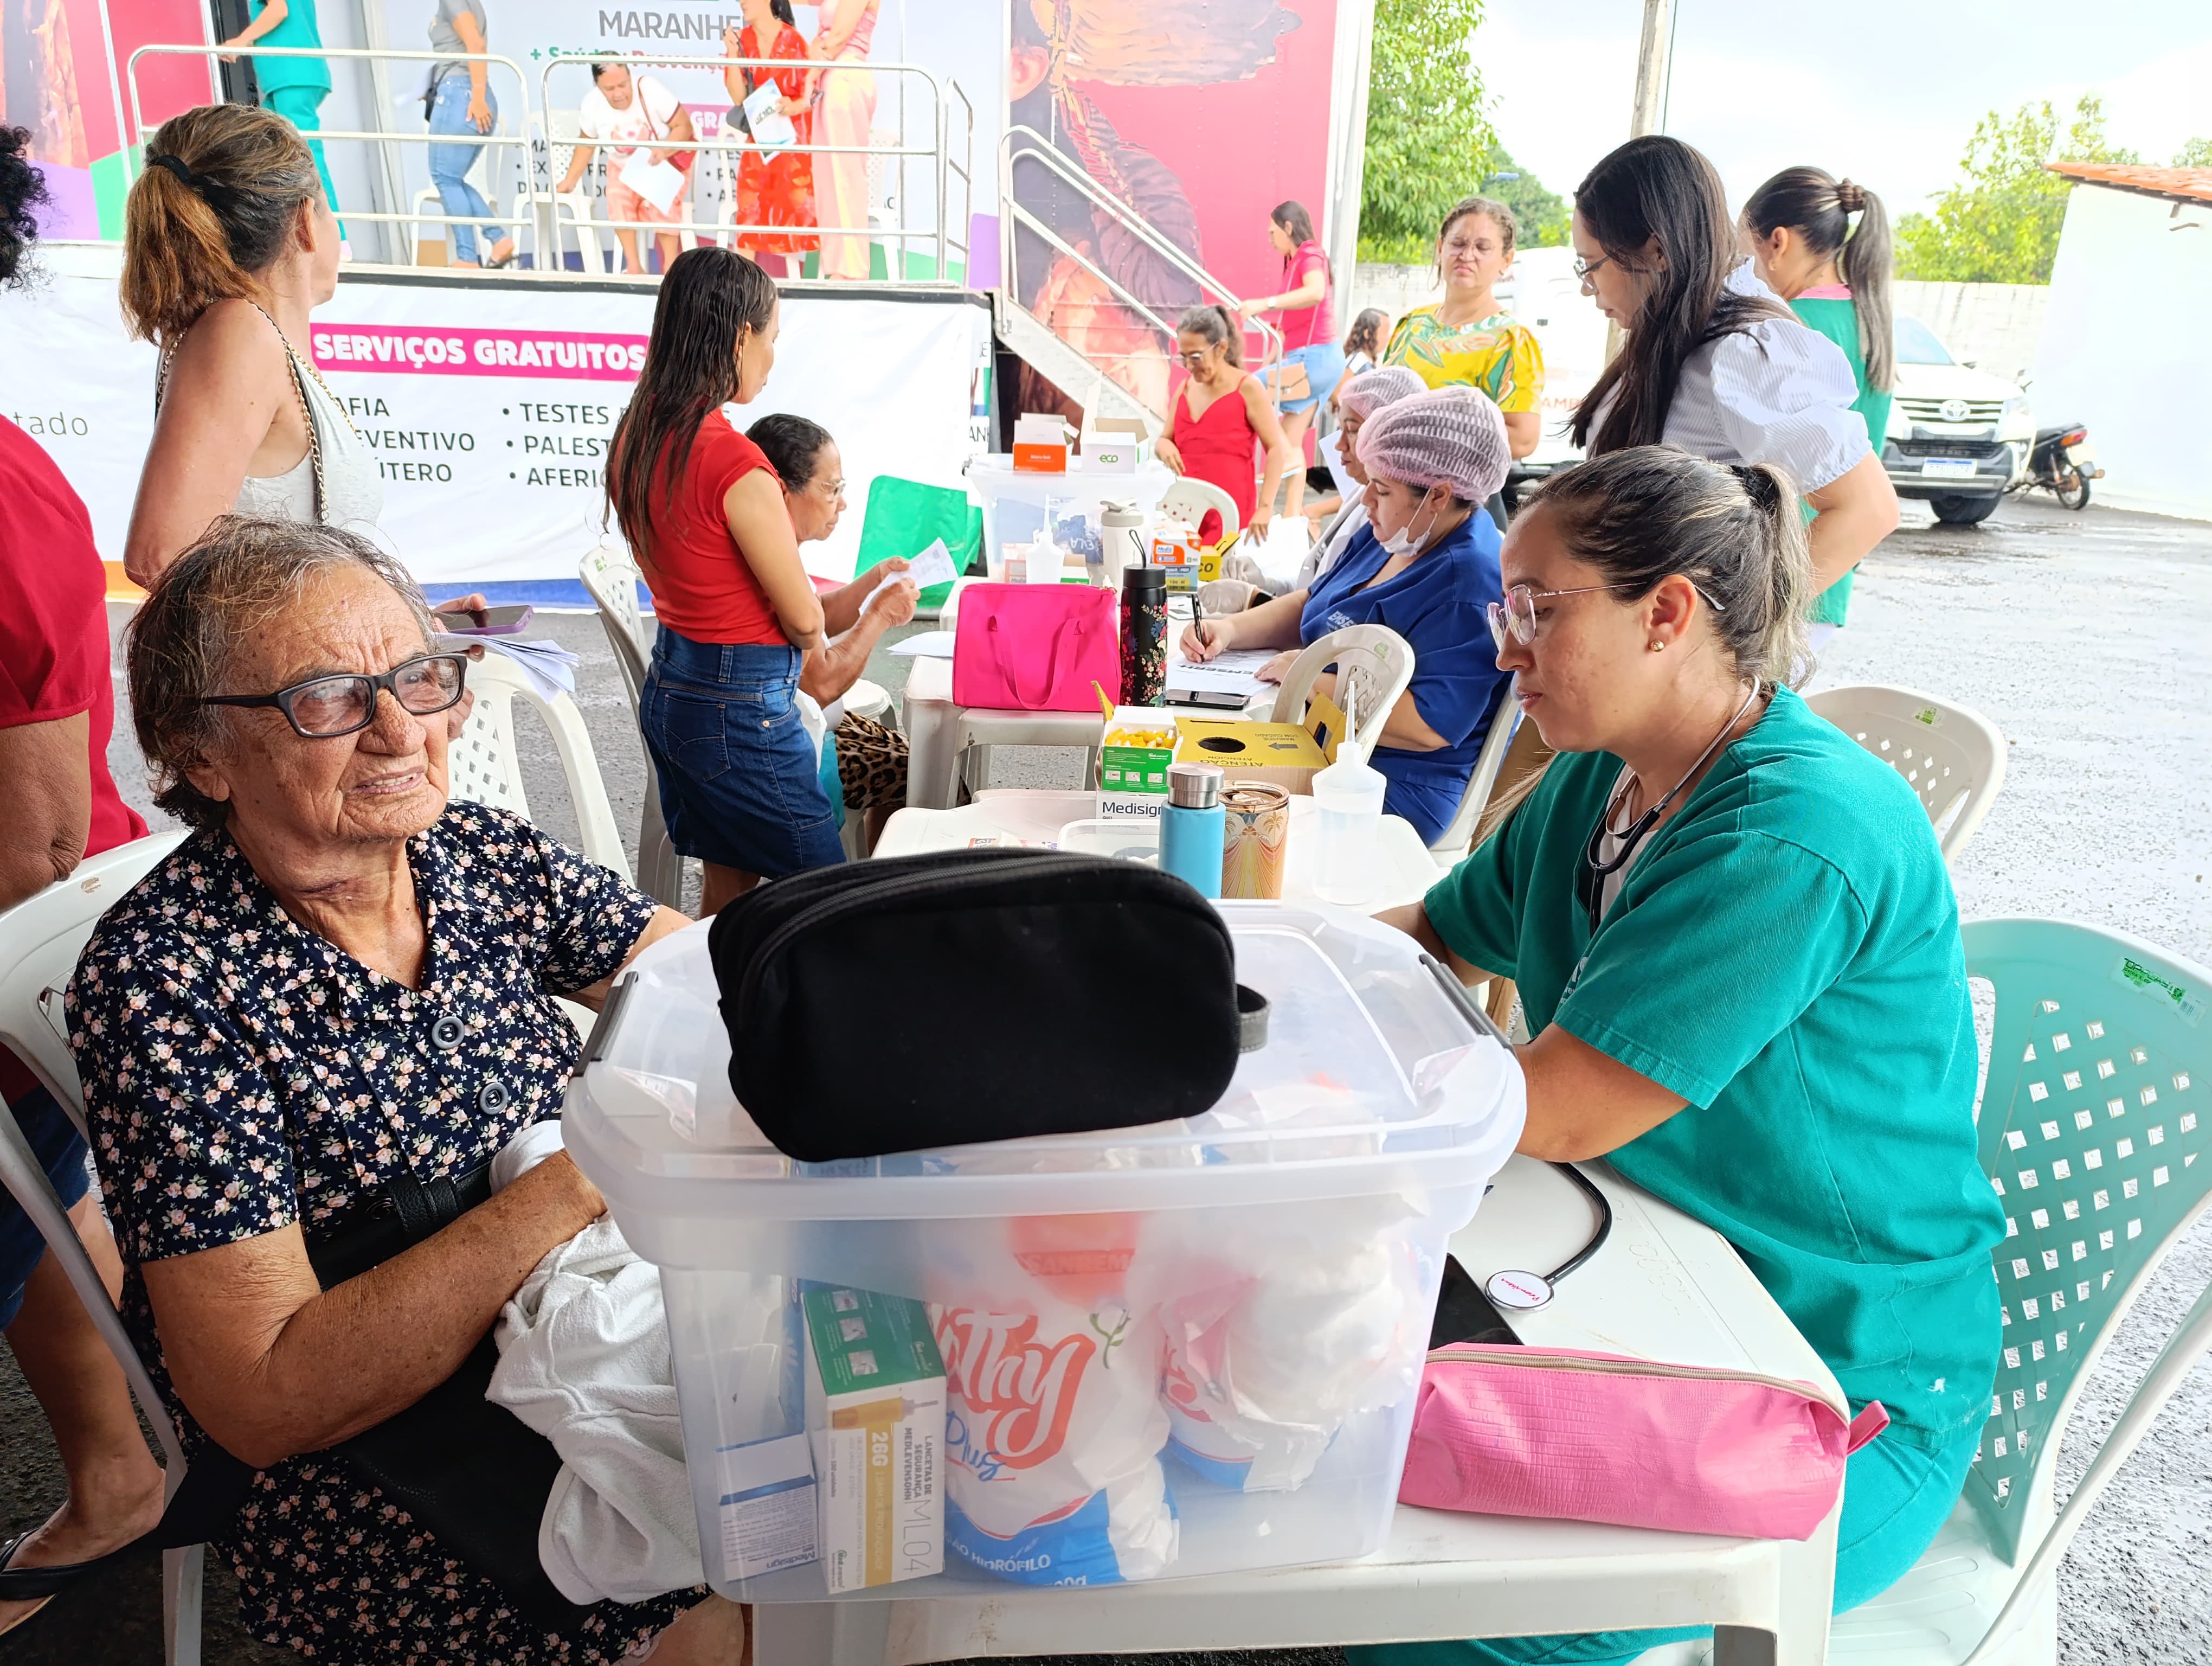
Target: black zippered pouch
[919,1001]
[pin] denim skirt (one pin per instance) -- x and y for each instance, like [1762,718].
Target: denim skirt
[740,784]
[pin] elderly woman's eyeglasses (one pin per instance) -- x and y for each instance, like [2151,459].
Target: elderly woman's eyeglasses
[326,708]
[1517,612]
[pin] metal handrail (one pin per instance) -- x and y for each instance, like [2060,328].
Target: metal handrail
[1145,231]
[901,233]
[537,203]
[132,164]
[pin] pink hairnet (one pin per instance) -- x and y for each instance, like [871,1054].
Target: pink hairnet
[1453,438]
[1363,396]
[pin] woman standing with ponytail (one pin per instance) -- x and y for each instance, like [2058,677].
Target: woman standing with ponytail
[1714,363]
[227,245]
[1836,277]
[1737,947]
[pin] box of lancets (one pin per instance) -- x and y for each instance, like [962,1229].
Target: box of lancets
[875,1415]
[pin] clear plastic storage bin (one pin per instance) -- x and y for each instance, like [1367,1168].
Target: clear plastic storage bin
[1178,1349]
[1014,501]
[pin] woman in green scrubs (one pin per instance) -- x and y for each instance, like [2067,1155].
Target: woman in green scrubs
[1738,951]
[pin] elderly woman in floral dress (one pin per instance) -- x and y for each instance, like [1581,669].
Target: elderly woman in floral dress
[337,994]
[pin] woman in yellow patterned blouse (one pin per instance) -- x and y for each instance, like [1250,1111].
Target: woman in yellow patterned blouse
[1467,338]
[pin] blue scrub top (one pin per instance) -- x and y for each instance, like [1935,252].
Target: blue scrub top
[1440,604]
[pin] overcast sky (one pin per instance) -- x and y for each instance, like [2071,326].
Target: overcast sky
[1885,91]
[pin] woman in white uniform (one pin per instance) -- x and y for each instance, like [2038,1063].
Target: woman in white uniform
[228,246]
[1714,363]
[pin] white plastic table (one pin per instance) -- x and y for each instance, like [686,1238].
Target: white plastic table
[1403,871]
[1662,1287]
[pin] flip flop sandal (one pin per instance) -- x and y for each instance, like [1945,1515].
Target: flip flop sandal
[507,260]
[38,1585]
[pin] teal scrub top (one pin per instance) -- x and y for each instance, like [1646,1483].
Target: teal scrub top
[1837,317]
[1784,955]
[299,29]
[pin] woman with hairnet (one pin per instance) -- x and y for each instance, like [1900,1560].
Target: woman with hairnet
[1425,565]
[1373,391]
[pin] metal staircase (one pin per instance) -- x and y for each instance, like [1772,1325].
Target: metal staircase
[1105,381]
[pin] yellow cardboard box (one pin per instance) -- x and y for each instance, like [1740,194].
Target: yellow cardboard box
[1287,754]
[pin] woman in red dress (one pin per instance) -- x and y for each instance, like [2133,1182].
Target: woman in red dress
[774,188]
[1221,413]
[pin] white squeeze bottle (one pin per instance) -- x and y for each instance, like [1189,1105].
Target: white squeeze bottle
[1348,794]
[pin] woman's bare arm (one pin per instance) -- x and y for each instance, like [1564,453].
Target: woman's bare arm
[1524,431]
[758,521]
[230,401]
[271,1364]
[1281,457]
[1857,510]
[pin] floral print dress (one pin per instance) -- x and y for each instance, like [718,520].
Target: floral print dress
[242,1073]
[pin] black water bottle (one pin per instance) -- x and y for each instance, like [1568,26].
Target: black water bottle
[1144,636]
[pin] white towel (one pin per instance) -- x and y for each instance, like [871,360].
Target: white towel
[584,1359]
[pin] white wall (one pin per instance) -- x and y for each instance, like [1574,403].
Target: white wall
[2125,349]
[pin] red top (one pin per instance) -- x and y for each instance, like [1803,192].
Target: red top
[1305,325]
[53,639]
[702,586]
[1219,448]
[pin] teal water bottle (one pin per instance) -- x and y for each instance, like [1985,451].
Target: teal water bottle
[1192,825]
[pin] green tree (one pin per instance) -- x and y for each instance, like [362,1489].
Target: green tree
[2198,153]
[1541,214]
[2000,222]
[1427,133]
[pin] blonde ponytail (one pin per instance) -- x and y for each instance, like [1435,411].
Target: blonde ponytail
[216,205]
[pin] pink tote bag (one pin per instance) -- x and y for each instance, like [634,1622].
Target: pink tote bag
[1505,1430]
[1036,648]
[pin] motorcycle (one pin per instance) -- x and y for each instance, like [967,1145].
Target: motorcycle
[2063,463]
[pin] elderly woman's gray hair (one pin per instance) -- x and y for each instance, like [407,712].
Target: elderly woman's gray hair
[238,578]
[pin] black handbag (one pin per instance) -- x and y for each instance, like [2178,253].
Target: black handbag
[473,1473]
[836,982]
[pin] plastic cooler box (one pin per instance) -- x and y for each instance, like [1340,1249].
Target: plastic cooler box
[1014,501]
[1178,1349]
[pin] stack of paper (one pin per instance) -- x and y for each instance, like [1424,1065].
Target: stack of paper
[550,668]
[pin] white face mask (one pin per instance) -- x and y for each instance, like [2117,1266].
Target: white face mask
[1402,542]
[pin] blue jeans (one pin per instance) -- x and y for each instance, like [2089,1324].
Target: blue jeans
[1897,1496]
[740,785]
[450,163]
[58,1149]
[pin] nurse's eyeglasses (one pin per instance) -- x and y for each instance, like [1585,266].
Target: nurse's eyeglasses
[1517,612]
[326,708]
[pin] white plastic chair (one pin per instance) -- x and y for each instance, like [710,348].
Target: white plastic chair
[1190,499]
[2084,1059]
[611,578]
[478,174]
[484,766]
[1954,758]
[1453,842]
[561,129]
[1373,659]
[40,939]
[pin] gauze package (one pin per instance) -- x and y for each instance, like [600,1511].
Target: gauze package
[1055,1426]
[1274,1334]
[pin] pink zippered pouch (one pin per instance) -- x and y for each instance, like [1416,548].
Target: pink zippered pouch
[1507,1430]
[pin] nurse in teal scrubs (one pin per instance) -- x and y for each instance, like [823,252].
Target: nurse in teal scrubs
[1738,951]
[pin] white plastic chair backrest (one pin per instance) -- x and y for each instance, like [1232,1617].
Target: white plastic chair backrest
[484,766]
[40,939]
[611,578]
[810,719]
[1452,843]
[2096,1128]
[1374,658]
[1191,498]
[1952,758]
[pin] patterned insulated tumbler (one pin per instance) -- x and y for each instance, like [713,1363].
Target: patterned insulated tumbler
[1144,636]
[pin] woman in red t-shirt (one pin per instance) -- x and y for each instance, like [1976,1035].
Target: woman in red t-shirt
[704,510]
